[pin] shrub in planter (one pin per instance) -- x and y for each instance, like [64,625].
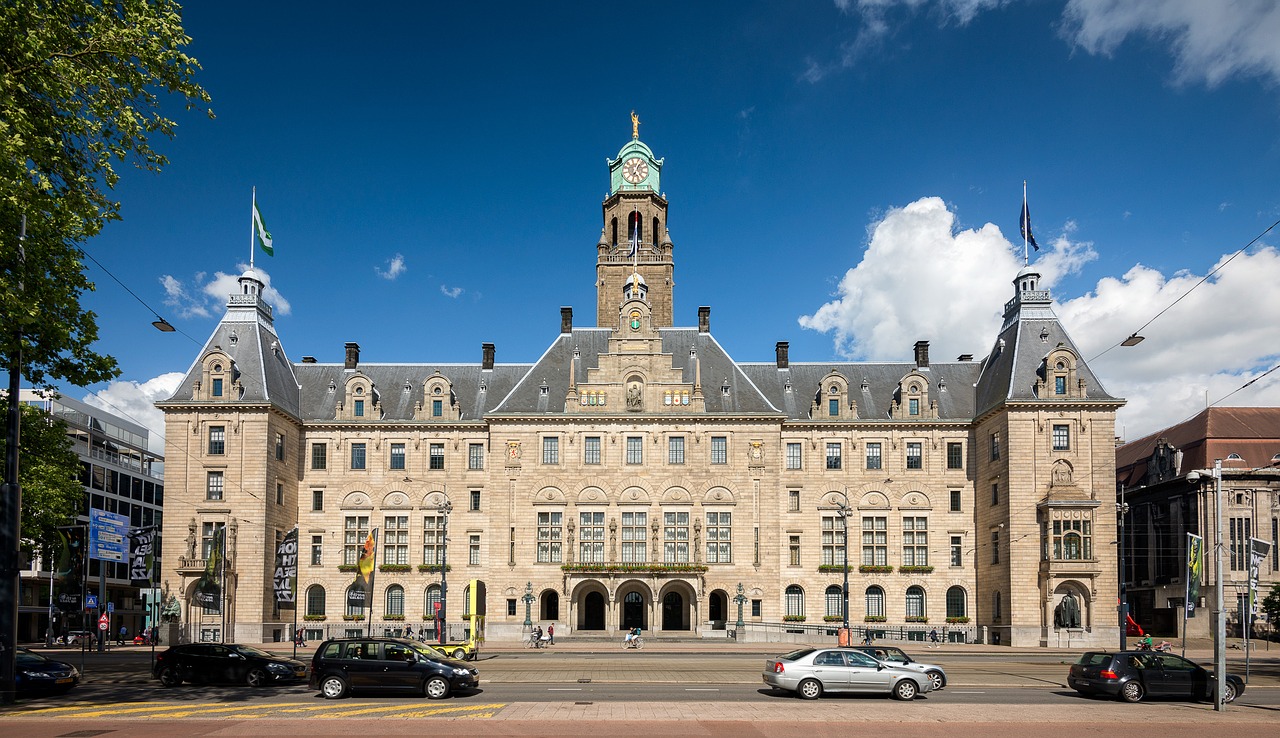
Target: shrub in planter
[394,618]
[874,619]
[917,619]
[793,618]
[433,568]
[960,619]
[346,567]
[870,569]
[833,618]
[313,618]
[353,618]
[394,568]
[915,569]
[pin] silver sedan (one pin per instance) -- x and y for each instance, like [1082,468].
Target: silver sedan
[811,671]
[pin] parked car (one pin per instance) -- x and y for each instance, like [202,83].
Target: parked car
[225,663]
[811,671]
[897,657]
[344,665]
[36,674]
[1135,675]
[76,637]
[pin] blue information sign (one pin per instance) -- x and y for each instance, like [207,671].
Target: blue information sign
[91,602]
[108,536]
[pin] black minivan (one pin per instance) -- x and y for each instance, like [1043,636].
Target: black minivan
[343,665]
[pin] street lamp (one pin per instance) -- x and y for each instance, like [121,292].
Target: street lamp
[1122,509]
[844,509]
[1219,614]
[444,509]
[528,601]
[739,598]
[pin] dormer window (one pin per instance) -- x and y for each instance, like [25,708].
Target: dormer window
[217,386]
[218,379]
[1059,375]
[359,408]
[438,402]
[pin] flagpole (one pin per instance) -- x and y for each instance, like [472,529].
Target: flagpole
[372,573]
[222,583]
[254,209]
[293,585]
[1026,225]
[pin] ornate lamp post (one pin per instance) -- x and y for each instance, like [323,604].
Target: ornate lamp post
[444,509]
[739,598]
[528,601]
[844,510]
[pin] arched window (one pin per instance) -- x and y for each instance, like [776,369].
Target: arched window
[613,231]
[956,603]
[395,601]
[654,231]
[875,602]
[915,602]
[795,600]
[1071,546]
[315,600]
[355,609]
[430,599]
[835,601]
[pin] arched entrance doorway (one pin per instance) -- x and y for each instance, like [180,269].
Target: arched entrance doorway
[717,609]
[593,611]
[632,611]
[674,616]
[550,609]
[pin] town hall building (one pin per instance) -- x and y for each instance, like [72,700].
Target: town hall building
[635,474]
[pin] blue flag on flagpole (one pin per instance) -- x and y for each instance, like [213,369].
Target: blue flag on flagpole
[1024,222]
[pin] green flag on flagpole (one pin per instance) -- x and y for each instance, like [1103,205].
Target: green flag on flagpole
[264,236]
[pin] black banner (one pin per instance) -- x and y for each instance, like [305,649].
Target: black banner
[142,556]
[69,571]
[356,596]
[286,576]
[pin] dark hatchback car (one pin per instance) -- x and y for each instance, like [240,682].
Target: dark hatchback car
[344,665]
[36,674]
[1135,675]
[225,663]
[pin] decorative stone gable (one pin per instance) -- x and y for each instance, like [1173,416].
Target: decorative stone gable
[438,403]
[832,401]
[911,399]
[1057,377]
[360,400]
[219,379]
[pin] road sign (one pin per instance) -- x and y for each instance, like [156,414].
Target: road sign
[104,622]
[91,602]
[108,536]
[111,607]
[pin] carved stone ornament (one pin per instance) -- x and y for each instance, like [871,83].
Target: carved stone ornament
[634,494]
[635,401]
[513,449]
[550,495]
[719,495]
[757,450]
[397,499]
[591,494]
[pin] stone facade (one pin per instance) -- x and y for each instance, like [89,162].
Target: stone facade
[637,475]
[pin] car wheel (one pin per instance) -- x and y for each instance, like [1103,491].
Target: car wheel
[169,677]
[810,689]
[939,681]
[1132,692]
[257,678]
[905,690]
[333,687]
[436,688]
[1229,694]
[460,654]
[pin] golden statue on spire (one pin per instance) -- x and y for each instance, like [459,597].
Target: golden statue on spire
[635,125]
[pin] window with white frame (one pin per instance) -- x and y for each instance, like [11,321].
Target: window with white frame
[550,537]
[355,531]
[833,455]
[675,450]
[957,550]
[794,458]
[433,539]
[957,602]
[550,450]
[213,486]
[955,455]
[915,608]
[835,601]
[875,601]
[875,540]
[395,601]
[1072,540]
[1061,437]
[915,541]
[475,456]
[397,456]
[793,547]
[591,450]
[357,455]
[635,450]
[874,459]
[591,537]
[395,539]
[675,537]
[315,600]
[915,455]
[833,539]
[319,456]
[719,450]
[317,551]
[473,549]
[436,456]
[208,538]
[217,439]
[719,538]
[795,601]
[634,537]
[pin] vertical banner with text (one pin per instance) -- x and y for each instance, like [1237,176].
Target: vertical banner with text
[70,568]
[142,556]
[1195,567]
[286,575]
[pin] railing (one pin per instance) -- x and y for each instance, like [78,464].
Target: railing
[647,254]
[125,462]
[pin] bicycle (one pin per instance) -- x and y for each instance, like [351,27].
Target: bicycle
[637,643]
[533,641]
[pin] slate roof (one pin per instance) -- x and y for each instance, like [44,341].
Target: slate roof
[951,384]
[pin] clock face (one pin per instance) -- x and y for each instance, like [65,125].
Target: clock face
[635,170]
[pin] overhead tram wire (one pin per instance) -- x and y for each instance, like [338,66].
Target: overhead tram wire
[160,323]
[1212,272]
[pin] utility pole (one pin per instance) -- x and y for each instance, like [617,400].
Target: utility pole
[11,506]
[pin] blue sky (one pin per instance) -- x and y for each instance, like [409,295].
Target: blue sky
[844,176]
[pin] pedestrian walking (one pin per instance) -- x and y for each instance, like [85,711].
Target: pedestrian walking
[551,633]
[933,639]
[124,632]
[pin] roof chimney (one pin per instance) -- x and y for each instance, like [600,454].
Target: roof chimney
[704,319]
[922,354]
[566,320]
[308,360]
[486,353]
[353,355]
[781,351]
[964,357]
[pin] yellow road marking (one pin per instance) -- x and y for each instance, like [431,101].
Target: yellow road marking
[134,711]
[148,711]
[353,713]
[81,706]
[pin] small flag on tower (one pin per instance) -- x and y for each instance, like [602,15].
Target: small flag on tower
[1025,223]
[260,228]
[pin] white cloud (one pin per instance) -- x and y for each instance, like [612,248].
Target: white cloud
[451,291]
[176,296]
[920,279]
[135,401]
[208,296]
[395,267]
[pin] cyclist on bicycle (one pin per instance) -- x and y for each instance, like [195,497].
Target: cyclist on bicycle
[632,634]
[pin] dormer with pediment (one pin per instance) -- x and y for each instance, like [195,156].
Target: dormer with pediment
[360,399]
[219,379]
[439,403]
[911,399]
[832,400]
[1058,377]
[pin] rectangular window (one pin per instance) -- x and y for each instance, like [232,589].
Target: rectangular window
[317,550]
[719,538]
[756,607]
[437,408]
[279,493]
[395,539]
[635,450]
[1060,385]
[794,458]
[359,408]
[1061,437]
[995,547]
[357,456]
[634,535]
[995,493]
[995,446]
[591,537]
[957,552]
[397,456]
[875,541]
[719,450]
[591,450]
[913,406]
[550,537]
[355,530]
[793,547]
[217,386]
[833,539]
[319,456]
[317,500]
[217,439]
[1072,540]
[511,607]
[1241,529]
[675,537]
[208,534]
[675,450]
[475,456]
[213,487]
[915,541]
[436,457]
[955,455]
[473,549]
[873,456]
[955,500]
[793,500]
[433,539]
[474,505]
[833,455]
[833,407]
[551,450]
[915,455]
[279,447]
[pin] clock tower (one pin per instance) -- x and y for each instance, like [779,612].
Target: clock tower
[634,238]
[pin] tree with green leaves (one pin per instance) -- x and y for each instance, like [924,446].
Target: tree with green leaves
[52,493]
[80,94]
[1271,606]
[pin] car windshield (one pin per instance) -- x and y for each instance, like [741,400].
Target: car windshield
[427,651]
[1094,658]
[251,651]
[797,654]
[27,658]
